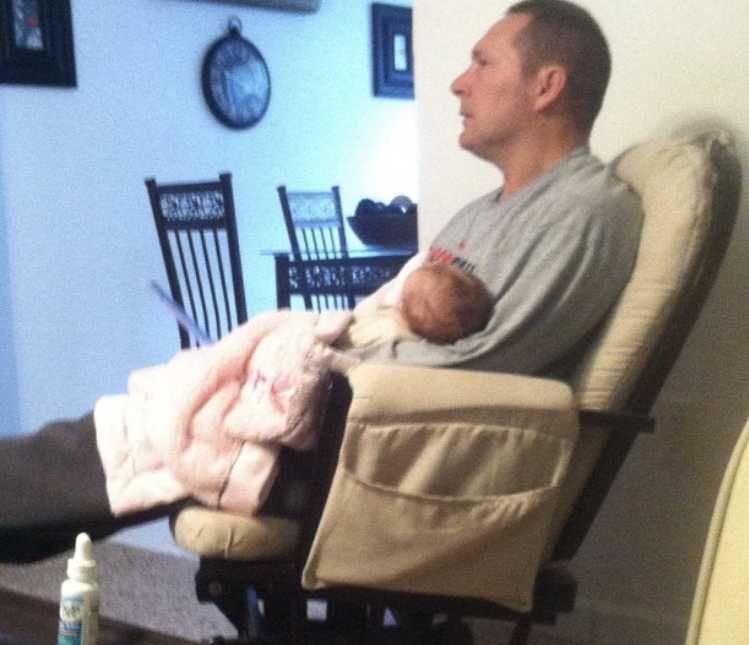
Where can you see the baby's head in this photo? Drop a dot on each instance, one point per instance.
(442, 303)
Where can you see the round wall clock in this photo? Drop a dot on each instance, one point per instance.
(236, 81)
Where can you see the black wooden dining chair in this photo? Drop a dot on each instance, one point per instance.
(197, 230)
(314, 223)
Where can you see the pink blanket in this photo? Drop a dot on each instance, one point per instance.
(209, 423)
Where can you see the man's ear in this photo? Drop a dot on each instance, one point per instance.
(549, 87)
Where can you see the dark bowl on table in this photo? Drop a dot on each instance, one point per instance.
(385, 229)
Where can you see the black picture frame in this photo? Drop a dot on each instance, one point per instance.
(392, 51)
(301, 6)
(36, 43)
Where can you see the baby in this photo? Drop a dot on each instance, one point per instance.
(436, 301)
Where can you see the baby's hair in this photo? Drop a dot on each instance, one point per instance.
(443, 303)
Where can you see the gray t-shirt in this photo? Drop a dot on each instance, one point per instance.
(555, 256)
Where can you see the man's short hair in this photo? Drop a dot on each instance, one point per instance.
(564, 33)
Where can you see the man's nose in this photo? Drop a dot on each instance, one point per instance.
(458, 86)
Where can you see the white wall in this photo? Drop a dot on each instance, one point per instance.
(77, 241)
(676, 62)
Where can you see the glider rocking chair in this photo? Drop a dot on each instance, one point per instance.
(442, 494)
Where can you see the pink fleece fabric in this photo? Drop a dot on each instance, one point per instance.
(209, 423)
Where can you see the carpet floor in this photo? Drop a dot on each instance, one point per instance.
(155, 591)
(147, 589)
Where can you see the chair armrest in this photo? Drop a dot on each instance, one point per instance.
(396, 392)
(451, 466)
(424, 393)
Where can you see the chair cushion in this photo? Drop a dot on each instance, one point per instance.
(218, 534)
(674, 178)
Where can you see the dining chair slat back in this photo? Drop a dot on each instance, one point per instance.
(314, 223)
(197, 230)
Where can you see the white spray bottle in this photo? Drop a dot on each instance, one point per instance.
(79, 598)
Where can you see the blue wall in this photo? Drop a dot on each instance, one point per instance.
(8, 379)
(77, 245)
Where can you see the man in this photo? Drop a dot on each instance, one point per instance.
(554, 246)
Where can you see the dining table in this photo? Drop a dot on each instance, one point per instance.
(354, 274)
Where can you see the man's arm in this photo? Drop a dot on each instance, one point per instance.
(556, 289)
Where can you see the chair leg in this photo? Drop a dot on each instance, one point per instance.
(297, 620)
(414, 620)
(234, 604)
(276, 614)
(347, 619)
(282, 619)
(415, 626)
(522, 632)
(453, 631)
(376, 615)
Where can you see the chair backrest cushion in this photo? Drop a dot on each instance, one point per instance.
(674, 178)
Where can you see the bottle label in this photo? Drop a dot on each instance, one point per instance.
(72, 609)
(78, 622)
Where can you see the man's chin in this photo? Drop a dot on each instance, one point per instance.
(464, 141)
(469, 145)
(473, 146)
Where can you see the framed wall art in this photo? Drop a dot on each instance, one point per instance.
(284, 5)
(36, 42)
(392, 51)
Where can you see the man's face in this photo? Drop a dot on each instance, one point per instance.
(494, 94)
